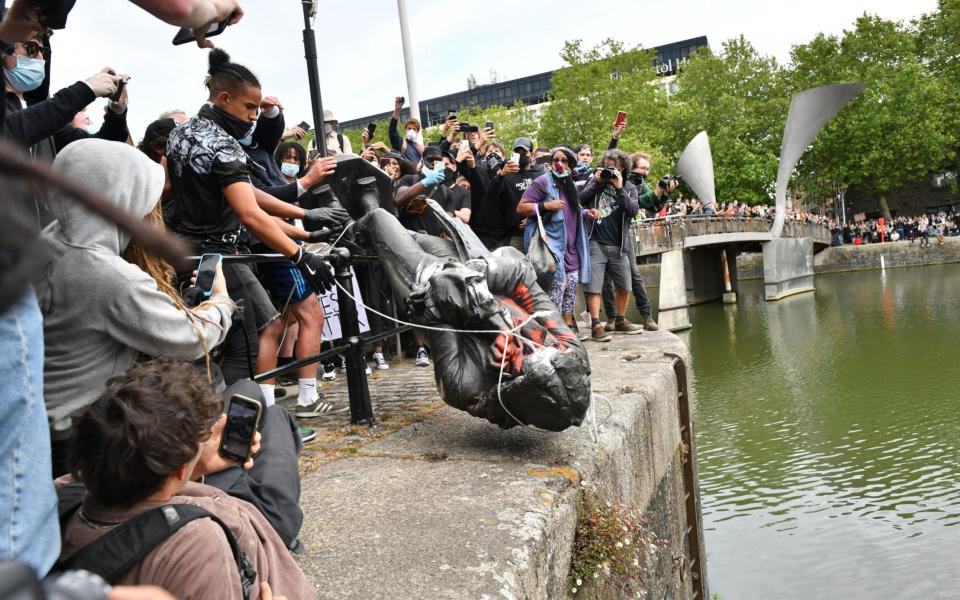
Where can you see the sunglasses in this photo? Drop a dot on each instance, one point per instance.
(33, 49)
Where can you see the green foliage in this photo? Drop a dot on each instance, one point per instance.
(897, 129)
(613, 545)
(594, 86)
(739, 98)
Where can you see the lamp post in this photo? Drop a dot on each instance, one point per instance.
(408, 61)
(310, 53)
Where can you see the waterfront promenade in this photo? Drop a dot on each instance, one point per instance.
(434, 503)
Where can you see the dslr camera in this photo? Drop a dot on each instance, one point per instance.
(606, 174)
(666, 180)
(469, 128)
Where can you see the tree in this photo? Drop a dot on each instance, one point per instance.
(739, 98)
(593, 87)
(897, 130)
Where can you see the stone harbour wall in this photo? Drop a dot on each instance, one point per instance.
(450, 506)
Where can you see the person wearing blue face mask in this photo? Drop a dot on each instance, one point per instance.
(44, 125)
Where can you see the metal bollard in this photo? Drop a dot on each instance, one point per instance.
(361, 411)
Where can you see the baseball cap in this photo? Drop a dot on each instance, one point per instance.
(523, 142)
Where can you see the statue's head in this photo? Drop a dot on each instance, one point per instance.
(553, 393)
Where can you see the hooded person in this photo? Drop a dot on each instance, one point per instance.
(104, 301)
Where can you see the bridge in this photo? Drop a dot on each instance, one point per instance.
(698, 258)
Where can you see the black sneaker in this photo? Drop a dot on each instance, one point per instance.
(329, 372)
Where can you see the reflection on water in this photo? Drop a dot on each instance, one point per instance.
(829, 438)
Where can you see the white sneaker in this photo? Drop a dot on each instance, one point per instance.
(343, 363)
(423, 359)
(380, 361)
(329, 372)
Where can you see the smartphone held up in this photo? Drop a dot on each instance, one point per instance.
(243, 419)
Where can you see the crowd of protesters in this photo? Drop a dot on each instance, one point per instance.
(913, 229)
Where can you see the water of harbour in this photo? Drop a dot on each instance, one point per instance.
(829, 438)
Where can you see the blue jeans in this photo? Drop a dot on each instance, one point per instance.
(29, 524)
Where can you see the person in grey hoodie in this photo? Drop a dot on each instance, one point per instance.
(99, 310)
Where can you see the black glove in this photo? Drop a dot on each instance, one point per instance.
(318, 272)
(323, 235)
(317, 218)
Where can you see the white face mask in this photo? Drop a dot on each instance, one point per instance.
(411, 135)
(327, 128)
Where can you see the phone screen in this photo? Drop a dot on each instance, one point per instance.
(206, 272)
(489, 124)
(242, 417)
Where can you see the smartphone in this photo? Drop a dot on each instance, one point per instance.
(122, 84)
(515, 157)
(312, 154)
(621, 119)
(489, 124)
(464, 145)
(185, 35)
(207, 272)
(304, 126)
(402, 99)
(451, 113)
(371, 127)
(243, 418)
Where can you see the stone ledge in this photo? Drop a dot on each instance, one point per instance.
(454, 507)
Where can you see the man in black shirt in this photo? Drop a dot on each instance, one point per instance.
(503, 226)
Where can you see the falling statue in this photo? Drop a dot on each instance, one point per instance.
(500, 349)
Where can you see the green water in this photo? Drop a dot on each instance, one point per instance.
(829, 438)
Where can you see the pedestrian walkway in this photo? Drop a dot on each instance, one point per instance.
(400, 396)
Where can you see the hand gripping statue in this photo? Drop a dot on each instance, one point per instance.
(500, 349)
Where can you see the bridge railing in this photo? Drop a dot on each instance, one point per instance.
(662, 234)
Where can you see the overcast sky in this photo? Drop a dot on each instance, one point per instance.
(361, 62)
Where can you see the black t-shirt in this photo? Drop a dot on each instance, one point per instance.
(202, 159)
(504, 195)
(457, 197)
(608, 229)
(411, 216)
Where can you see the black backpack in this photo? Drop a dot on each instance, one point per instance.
(112, 555)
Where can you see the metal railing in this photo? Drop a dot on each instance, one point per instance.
(662, 234)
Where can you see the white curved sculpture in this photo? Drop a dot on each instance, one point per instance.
(695, 166)
(810, 111)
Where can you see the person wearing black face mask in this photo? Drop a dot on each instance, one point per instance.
(500, 225)
(213, 199)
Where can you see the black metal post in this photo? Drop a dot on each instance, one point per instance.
(310, 53)
(361, 411)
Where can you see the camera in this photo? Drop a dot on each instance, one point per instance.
(666, 180)
(468, 128)
(606, 174)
